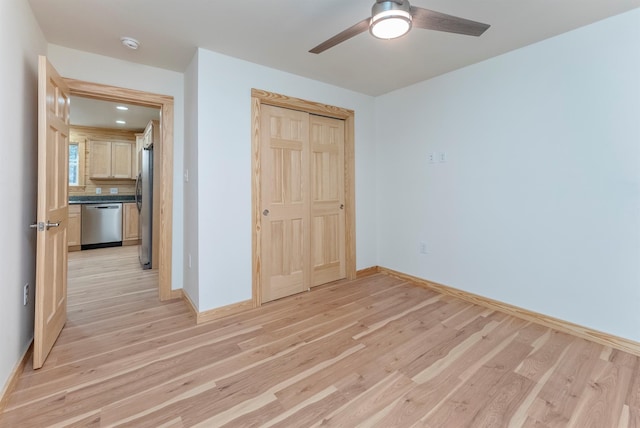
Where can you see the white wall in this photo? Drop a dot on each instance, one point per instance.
(224, 173)
(191, 186)
(21, 41)
(538, 203)
(109, 71)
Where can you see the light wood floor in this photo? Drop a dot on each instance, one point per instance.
(373, 352)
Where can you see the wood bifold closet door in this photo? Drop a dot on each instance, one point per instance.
(302, 188)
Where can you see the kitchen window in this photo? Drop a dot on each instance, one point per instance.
(76, 164)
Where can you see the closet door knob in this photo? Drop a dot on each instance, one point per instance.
(265, 213)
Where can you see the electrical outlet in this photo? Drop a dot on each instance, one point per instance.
(113, 190)
(422, 248)
(25, 294)
(431, 157)
(98, 190)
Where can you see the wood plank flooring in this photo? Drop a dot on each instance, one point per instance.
(375, 352)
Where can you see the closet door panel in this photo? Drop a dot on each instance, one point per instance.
(285, 195)
(327, 204)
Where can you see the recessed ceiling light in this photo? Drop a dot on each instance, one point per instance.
(123, 108)
(130, 42)
(121, 122)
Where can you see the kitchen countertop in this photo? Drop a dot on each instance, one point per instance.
(73, 200)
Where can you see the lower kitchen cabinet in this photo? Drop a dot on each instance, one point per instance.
(74, 226)
(130, 233)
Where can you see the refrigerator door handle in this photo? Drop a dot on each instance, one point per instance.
(139, 192)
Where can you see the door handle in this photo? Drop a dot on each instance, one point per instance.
(341, 206)
(41, 225)
(265, 213)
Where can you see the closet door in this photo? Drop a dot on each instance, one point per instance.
(327, 203)
(285, 202)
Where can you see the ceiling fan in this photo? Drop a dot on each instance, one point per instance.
(394, 18)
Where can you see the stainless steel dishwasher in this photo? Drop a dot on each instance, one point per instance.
(101, 225)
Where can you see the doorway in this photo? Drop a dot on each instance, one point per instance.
(299, 272)
(163, 218)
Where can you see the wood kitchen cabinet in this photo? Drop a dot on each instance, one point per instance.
(130, 233)
(74, 226)
(111, 160)
(136, 155)
(151, 133)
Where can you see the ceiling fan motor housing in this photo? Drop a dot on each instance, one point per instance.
(383, 13)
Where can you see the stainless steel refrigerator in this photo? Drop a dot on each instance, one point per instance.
(144, 201)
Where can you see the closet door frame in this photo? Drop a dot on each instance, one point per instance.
(260, 97)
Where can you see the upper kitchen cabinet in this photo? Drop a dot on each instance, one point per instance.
(111, 130)
(136, 155)
(111, 160)
(151, 133)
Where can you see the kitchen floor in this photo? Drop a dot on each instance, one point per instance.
(111, 277)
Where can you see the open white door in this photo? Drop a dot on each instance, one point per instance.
(52, 212)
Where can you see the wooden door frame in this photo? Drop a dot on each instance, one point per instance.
(260, 97)
(165, 215)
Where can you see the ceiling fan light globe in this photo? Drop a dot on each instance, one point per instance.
(395, 24)
(390, 19)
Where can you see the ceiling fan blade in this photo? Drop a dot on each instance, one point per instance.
(354, 30)
(431, 20)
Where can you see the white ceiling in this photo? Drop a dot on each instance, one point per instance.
(279, 33)
(103, 114)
